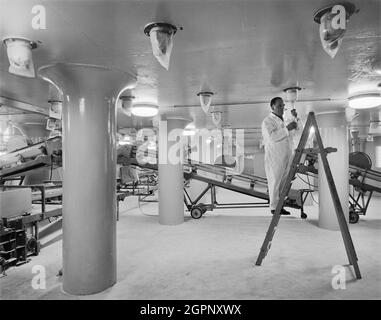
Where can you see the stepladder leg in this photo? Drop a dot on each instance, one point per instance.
(344, 229)
(267, 243)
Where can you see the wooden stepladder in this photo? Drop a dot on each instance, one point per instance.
(349, 247)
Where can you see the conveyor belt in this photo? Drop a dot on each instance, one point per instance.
(50, 192)
(227, 178)
(32, 158)
(24, 168)
(370, 179)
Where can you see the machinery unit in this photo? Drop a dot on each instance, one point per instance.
(13, 245)
(364, 182)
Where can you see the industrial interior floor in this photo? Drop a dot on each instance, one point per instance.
(214, 258)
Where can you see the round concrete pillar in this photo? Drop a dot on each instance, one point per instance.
(377, 151)
(171, 177)
(89, 161)
(334, 133)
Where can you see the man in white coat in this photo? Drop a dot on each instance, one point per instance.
(278, 150)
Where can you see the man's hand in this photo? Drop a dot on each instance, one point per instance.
(291, 126)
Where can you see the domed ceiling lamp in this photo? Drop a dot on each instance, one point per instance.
(161, 36)
(143, 109)
(365, 100)
(333, 22)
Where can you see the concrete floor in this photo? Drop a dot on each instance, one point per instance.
(213, 258)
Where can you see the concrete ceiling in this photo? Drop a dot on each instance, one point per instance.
(244, 51)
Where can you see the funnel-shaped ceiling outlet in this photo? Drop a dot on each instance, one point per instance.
(333, 23)
(375, 128)
(376, 64)
(55, 110)
(330, 38)
(161, 36)
(375, 124)
(292, 95)
(53, 124)
(354, 134)
(189, 130)
(350, 114)
(19, 51)
(127, 104)
(205, 100)
(216, 117)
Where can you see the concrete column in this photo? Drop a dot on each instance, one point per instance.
(376, 162)
(89, 161)
(171, 177)
(334, 133)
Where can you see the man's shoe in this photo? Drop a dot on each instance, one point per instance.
(285, 212)
(282, 212)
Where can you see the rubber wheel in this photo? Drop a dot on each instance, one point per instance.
(353, 217)
(303, 216)
(31, 244)
(196, 213)
(202, 207)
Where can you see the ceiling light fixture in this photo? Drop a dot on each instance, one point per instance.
(19, 51)
(365, 101)
(205, 100)
(161, 36)
(145, 109)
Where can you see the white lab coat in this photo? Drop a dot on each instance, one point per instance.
(278, 155)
